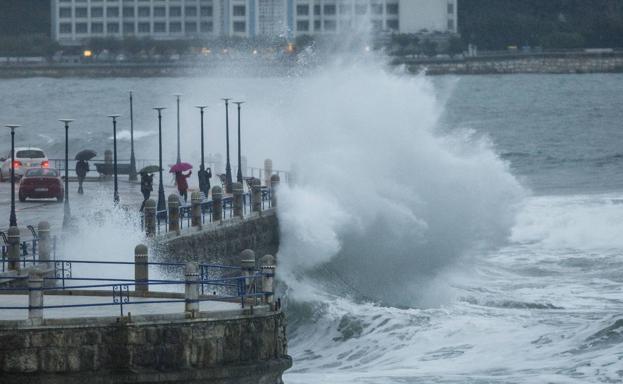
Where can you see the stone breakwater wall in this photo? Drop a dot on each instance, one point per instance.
(223, 241)
(243, 349)
(549, 64)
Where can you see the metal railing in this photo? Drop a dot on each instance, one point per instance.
(29, 250)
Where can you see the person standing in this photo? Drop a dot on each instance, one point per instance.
(182, 184)
(204, 180)
(147, 185)
(82, 167)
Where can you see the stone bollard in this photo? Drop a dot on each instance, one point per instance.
(174, 214)
(217, 203)
(108, 163)
(267, 265)
(35, 296)
(274, 186)
(191, 275)
(141, 269)
(247, 265)
(195, 200)
(256, 195)
(45, 243)
(13, 253)
(238, 196)
(268, 171)
(149, 217)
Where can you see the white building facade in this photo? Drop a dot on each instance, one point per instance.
(76, 20)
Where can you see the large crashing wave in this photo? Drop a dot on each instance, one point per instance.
(382, 203)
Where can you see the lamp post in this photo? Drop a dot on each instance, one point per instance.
(239, 176)
(228, 164)
(13, 217)
(202, 185)
(177, 96)
(67, 210)
(114, 168)
(161, 202)
(133, 175)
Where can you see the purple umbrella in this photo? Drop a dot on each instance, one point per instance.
(180, 167)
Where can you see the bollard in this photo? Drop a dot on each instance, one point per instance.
(195, 200)
(247, 264)
(238, 191)
(108, 163)
(268, 171)
(45, 244)
(149, 217)
(35, 296)
(13, 254)
(217, 203)
(274, 186)
(191, 275)
(141, 269)
(174, 214)
(267, 265)
(256, 195)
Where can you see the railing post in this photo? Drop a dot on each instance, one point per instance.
(268, 278)
(256, 195)
(238, 196)
(174, 214)
(14, 248)
(141, 269)
(247, 264)
(45, 246)
(195, 199)
(217, 203)
(268, 171)
(35, 296)
(191, 275)
(274, 186)
(150, 217)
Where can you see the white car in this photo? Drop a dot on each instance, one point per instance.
(25, 158)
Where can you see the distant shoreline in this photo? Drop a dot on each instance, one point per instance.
(541, 63)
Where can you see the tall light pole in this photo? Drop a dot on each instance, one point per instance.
(133, 175)
(67, 210)
(201, 175)
(177, 96)
(114, 140)
(13, 217)
(228, 164)
(239, 176)
(161, 202)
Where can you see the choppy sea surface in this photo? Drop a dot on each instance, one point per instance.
(440, 230)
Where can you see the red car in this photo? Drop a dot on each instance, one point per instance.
(41, 183)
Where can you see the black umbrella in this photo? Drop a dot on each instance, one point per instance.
(86, 155)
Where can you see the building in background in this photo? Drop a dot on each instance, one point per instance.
(76, 20)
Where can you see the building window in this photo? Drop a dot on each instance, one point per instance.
(329, 9)
(175, 27)
(65, 27)
(302, 25)
(190, 11)
(160, 11)
(302, 10)
(377, 9)
(317, 10)
(190, 27)
(112, 27)
(377, 25)
(81, 12)
(240, 26)
(392, 24)
(112, 12)
(160, 27)
(450, 25)
(345, 9)
(392, 9)
(361, 9)
(206, 11)
(128, 11)
(144, 11)
(97, 12)
(64, 12)
(451, 8)
(240, 10)
(317, 25)
(128, 28)
(144, 28)
(175, 11)
(97, 27)
(206, 26)
(330, 25)
(81, 28)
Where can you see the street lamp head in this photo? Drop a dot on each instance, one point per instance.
(178, 95)
(12, 126)
(66, 121)
(201, 107)
(239, 103)
(226, 99)
(159, 108)
(114, 117)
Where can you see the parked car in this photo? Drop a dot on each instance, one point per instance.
(41, 183)
(25, 158)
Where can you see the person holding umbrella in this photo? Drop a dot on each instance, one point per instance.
(82, 166)
(180, 178)
(147, 182)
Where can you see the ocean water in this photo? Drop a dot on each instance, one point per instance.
(438, 230)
